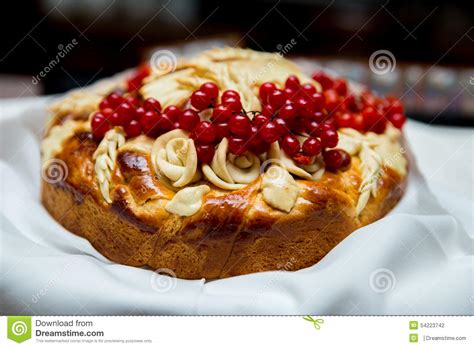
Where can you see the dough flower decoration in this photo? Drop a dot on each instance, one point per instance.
(105, 156)
(229, 171)
(174, 158)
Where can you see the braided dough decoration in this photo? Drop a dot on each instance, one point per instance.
(375, 151)
(105, 156)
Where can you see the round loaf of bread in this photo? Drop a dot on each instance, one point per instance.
(115, 193)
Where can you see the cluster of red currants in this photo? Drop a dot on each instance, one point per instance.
(286, 114)
(133, 115)
(365, 112)
(136, 80)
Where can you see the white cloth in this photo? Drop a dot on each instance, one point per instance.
(417, 260)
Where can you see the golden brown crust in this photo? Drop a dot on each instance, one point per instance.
(234, 232)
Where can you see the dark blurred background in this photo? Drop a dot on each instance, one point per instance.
(427, 46)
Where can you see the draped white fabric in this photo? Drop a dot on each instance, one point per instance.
(417, 260)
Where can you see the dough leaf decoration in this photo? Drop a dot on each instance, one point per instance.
(105, 156)
(187, 201)
(374, 151)
(279, 188)
(370, 163)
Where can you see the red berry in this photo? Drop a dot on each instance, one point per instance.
(134, 83)
(345, 161)
(395, 108)
(332, 159)
(265, 90)
(188, 119)
(204, 132)
(239, 125)
(287, 112)
(305, 107)
(117, 119)
(350, 103)
(148, 120)
(270, 132)
(230, 93)
(398, 120)
(337, 159)
(282, 126)
(139, 112)
(200, 100)
(299, 124)
(340, 86)
(222, 130)
(173, 112)
(276, 99)
(221, 113)
(107, 112)
(205, 153)
(344, 120)
(99, 125)
(332, 100)
(312, 147)
(259, 120)
(151, 104)
(292, 82)
(301, 158)
(133, 129)
(313, 128)
(319, 101)
(104, 104)
(291, 94)
(358, 123)
(308, 89)
(290, 145)
(165, 123)
(268, 110)
(176, 125)
(114, 99)
(324, 80)
(370, 114)
(329, 138)
(318, 116)
(262, 147)
(327, 126)
(210, 89)
(237, 146)
(126, 112)
(233, 104)
(254, 140)
(133, 101)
